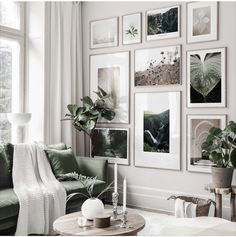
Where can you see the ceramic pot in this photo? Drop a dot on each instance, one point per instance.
(92, 207)
(222, 177)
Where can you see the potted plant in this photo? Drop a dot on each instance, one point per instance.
(221, 146)
(85, 118)
(93, 206)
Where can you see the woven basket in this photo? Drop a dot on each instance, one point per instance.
(203, 206)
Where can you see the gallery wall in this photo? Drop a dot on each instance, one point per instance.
(149, 187)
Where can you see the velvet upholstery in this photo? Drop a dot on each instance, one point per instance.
(4, 170)
(9, 204)
(62, 161)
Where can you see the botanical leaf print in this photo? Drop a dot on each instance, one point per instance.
(132, 31)
(205, 73)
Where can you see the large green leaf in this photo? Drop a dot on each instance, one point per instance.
(87, 100)
(206, 146)
(232, 141)
(102, 91)
(232, 127)
(233, 158)
(205, 73)
(72, 109)
(216, 157)
(215, 131)
(108, 114)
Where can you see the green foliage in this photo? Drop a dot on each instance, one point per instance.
(148, 148)
(88, 184)
(85, 118)
(221, 145)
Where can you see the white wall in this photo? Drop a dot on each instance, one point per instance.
(150, 187)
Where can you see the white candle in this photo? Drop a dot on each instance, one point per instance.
(124, 194)
(115, 178)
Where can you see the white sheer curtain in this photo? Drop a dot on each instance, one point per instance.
(64, 83)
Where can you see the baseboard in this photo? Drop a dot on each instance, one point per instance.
(156, 200)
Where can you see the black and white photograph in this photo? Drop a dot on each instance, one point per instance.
(198, 130)
(132, 28)
(202, 21)
(158, 66)
(111, 144)
(206, 78)
(157, 130)
(163, 23)
(104, 33)
(111, 73)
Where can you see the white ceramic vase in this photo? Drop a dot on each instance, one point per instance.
(92, 207)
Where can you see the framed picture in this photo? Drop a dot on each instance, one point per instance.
(104, 33)
(111, 144)
(198, 129)
(158, 66)
(202, 18)
(132, 28)
(157, 130)
(163, 23)
(111, 73)
(206, 78)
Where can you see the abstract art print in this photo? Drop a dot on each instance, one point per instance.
(206, 78)
(111, 144)
(202, 21)
(111, 73)
(198, 129)
(157, 130)
(104, 33)
(131, 28)
(163, 23)
(158, 66)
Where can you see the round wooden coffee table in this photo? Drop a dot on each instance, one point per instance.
(68, 225)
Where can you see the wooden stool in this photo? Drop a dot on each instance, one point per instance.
(218, 199)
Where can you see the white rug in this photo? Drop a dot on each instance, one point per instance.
(167, 225)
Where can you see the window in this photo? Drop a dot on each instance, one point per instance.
(11, 63)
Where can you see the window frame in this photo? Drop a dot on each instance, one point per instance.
(19, 36)
(21, 31)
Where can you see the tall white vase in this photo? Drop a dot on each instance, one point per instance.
(92, 207)
(18, 121)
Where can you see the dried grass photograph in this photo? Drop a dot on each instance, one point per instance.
(158, 66)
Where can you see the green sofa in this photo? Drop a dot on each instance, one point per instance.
(9, 205)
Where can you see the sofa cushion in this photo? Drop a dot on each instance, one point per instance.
(58, 146)
(62, 161)
(9, 205)
(5, 170)
(9, 148)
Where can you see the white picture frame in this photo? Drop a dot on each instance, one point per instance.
(197, 131)
(120, 141)
(208, 91)
(156, 30)
(158, 66)
(104, 33)
(202, 21)
(132, 28)
(153, 147)
(111, 73)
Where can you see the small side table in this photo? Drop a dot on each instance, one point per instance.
(218, 198)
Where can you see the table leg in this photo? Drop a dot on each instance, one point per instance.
(218, 210)
(232, 207)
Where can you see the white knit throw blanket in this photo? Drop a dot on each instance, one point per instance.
(41, 197)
